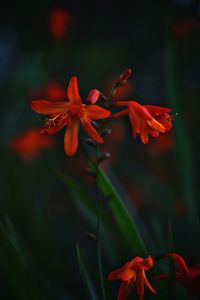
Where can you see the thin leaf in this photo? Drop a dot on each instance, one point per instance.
(86, 280)
(88, 208)
(183, 147)
(16, 269)
(122, 216)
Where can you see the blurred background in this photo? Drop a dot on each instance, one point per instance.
(44, 43)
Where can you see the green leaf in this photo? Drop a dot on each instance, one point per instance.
(86, 280)
(88, 207)
(16, 269)
(120, 212)
(183, 147)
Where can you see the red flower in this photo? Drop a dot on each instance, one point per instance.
(146, 119)
(184, 27)
(70, 113)
(133, 272)
(54, 91)
(59, 22)
(187, 277)
(162, 145)
(29, 143)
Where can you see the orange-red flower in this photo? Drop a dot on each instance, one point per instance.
(29, 143)
(70, 113)
(146, 119)
(54, 91)
(187, 277)
(59, 22)
(133, 272)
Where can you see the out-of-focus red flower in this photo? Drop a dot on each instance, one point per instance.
(54, 91)
(30, 143)
(70, 113)
(133, 272)
(162, 145)
(59, 21)
(146, 119)
(187, 277)
(183, 28)
(180, 208)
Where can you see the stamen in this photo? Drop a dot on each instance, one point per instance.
(52, 121)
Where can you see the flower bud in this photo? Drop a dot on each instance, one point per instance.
(125, 75)
(93, 96)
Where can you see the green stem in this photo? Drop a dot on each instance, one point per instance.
(99, 229)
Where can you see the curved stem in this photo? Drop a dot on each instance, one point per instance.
(99, 229)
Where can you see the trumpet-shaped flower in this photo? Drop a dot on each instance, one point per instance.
(146, 119)
(70, 113)
(133, 272)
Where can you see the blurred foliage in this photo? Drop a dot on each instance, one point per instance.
(42, 217)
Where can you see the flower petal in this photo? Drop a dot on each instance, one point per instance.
(121, 113)
(157, 110)
(72, 91)
(154, 124)
(95, 112)
(116, 274)
(53, 128)
(144, 135)
(166, 121)
(147, 263)
(136, 122)
(140, 285)
(91, 131)
(124, 290)
(122, 103)
(71, 137)
(45, 107)
(179, 262)
(146, 282)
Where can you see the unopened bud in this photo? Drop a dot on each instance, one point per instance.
(125, 75)
(123, 79)
(93, 96)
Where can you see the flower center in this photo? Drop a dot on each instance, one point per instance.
(75, 110)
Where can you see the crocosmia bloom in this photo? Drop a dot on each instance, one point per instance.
(30, 143)
(133, 272)
(146, 119)
(185, 276)
(59, 22)
(70, 113)
(54, 91)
